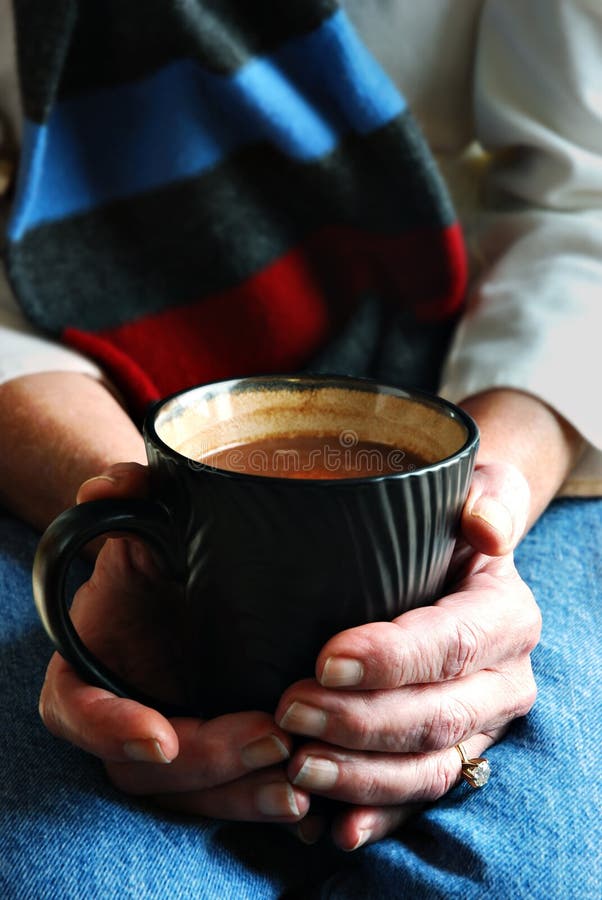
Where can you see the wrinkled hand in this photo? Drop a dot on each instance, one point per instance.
(229, 767)
(458, 670)
(392, 699)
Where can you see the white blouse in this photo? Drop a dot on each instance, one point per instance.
(509, 96)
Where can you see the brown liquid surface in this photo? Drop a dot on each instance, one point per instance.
(306, 456)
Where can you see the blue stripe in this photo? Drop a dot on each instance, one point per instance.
(183, 120)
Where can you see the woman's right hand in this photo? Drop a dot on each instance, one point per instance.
(230, 767)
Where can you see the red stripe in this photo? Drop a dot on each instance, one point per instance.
(128, 375)
(277, 319)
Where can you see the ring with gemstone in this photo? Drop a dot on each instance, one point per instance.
(475, 771)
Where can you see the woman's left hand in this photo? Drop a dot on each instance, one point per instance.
(392, 699)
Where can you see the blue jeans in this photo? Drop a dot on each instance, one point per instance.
(533, 832)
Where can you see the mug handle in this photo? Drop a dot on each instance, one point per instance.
(61, 542)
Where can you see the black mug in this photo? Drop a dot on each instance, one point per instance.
(288, 509)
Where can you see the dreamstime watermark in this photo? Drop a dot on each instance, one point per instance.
(343, 454)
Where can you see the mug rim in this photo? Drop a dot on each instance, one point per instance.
(469, 446)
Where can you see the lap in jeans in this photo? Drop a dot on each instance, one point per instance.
(533, 832)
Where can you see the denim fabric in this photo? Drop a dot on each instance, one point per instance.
(533, 832)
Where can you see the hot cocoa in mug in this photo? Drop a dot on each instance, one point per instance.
(288, 508)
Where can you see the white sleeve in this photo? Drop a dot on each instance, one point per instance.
(23, 352)
(534, 318)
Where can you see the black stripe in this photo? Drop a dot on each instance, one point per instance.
(43, 34)
(115, 41)
(204, 235)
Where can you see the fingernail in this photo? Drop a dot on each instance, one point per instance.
(364, 836)
(311, 829)
(277, 800)
(317, 774)
(148, 750)
(108, 478)
(339, 671)
(304, 719)
(83, 485)
(495, 514)
(264, 752)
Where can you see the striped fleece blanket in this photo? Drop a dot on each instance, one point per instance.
(208, 188)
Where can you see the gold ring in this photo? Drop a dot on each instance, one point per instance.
(475, 771)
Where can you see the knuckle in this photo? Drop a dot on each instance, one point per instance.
(448, 725)
(357, 725)
(369, 790)
(521, 690)
(381, 646)
(362, 733)
(463, 651)
(397, 671)
(440, 778)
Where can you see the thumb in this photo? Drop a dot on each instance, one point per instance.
(128, 479)
(120, 480)
(495, 514)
